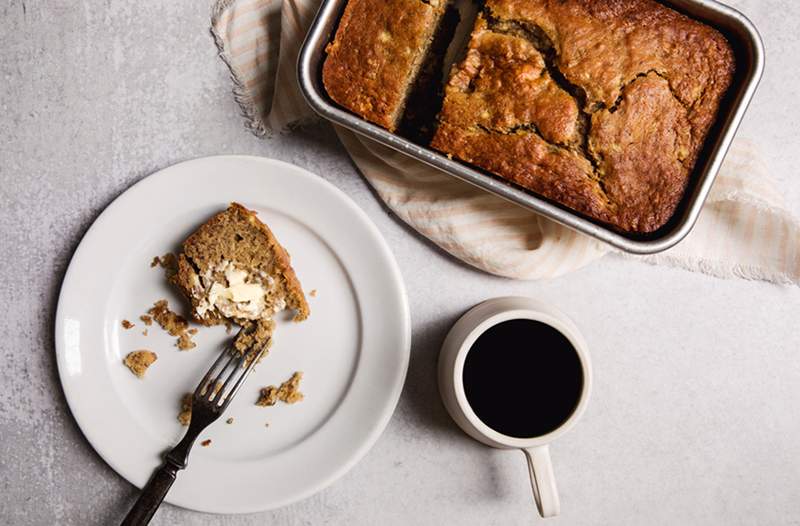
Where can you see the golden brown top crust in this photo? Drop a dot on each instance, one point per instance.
(603, 45)
(509, 90)
(376, 55)
(529, 161)
(625, 90)
(642, 148)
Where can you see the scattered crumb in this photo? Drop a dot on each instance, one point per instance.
(268, 396)
(254, 335)
(147, 320)
(127, 325)
(171, 322)
(185, 416)
(228, 327)
(206, 442)
(290, 389)
(313, 293)
(288, 392)
(168, 262)
(139, 361)
(174, 324)
(144, 332)
(229, 421)
(185, 342)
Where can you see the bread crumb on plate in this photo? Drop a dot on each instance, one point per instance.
(233, 269)
(173, 323)
(288, 392)
(168, 262)
(185, 416)
(139, 361)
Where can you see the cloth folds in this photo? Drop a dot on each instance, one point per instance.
(744, 229)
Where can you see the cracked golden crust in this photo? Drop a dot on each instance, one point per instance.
(646, 82)
(603, 44)
(643, 148)
(526, 159)
(376, 55)
(502, 84)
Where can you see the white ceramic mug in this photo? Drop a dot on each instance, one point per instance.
(451, 386)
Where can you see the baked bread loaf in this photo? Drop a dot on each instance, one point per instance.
(377, 54)
(600, 105)
(233, 269)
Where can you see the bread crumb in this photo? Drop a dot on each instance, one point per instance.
(139, 361)
(229, 421)
(168, 262)
(313, 293)
(288, 392)
(144, 332)
(185, 342)
(147, 320)
(255, 335)
(174, 324)
(206, 442)
(185, 416)
(127, 325)
(268, 396)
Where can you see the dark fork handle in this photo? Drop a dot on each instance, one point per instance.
(152, 495)
(208, 404)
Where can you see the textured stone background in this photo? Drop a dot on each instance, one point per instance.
(695, 416)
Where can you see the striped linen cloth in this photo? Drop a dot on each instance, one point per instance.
(744, 229)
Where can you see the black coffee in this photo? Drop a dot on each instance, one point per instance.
(523, 378)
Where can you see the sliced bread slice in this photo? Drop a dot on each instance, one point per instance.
(377, 54)
(233, 268)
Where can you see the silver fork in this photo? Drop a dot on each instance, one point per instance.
(208, 403)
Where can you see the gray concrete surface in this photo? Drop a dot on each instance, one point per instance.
(695, 416)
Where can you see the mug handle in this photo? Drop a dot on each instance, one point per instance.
(543, 482)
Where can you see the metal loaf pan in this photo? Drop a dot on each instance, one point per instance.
(749, 51)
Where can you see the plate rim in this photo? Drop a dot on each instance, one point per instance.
(396, 279)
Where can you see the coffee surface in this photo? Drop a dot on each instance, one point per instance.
(523, 378)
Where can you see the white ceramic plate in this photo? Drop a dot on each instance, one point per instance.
(354, 348)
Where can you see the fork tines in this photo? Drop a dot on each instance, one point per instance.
(235, 367)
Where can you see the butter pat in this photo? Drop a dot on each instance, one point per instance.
(239, 295)
(245, 292)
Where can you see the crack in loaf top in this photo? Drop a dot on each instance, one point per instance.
(602, 106)
(602, 45)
